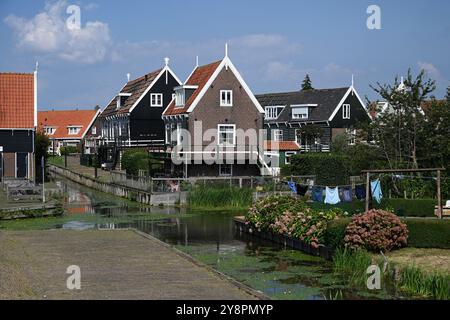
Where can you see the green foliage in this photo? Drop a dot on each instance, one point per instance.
(56, 160)
(431, 285)
(41, 145)
(352, 264)
(330, 169)
(335, 232)
(134, 160)
(306, 84)
(68, 150)
(428, 233)
(220, 196)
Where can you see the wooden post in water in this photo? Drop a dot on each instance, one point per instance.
(367, 191)
(439, 196)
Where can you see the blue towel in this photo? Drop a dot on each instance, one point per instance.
(317, 194)
(292, 186)
(360, 192)
(376, 190)
(347, 195)
(332, 195)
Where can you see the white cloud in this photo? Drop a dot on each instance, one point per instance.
(430, 69)
(47, 33)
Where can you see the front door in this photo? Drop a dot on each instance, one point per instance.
(22, 165)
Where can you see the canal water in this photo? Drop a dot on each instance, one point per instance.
(211, 238)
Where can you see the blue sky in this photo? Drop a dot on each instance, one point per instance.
(273, 43)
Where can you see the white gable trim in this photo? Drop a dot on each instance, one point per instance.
(225, 62)
(353, 91)
(90, 124)
(163, 71)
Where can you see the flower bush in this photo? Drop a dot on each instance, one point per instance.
(376, 230)
(289, 216)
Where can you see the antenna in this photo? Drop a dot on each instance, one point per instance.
(166, 61)
(128, 76)
(352, 80)
(226, 49)
(37, 66)
(196, 61)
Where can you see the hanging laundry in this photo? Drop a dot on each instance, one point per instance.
(292, 186)
(360, 192)
(301, 189)
(317, 194)
(332, 195)
(347, 195)
(377, 194)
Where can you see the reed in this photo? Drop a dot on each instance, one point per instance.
(220, 197)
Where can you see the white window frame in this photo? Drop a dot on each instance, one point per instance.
(219, 134)
(297, 135)
(272, 113)
(226, 174)
(179, 98)
(351, 133)
(228, 101)
(77, 129)
(346, 111)
(168, 133)
(156, 100)
(277, 135)
(286, 157)
(94, 130)
(49, 130)
(303, 115)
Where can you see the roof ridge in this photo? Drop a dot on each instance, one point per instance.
(17, 73)
(143, 76)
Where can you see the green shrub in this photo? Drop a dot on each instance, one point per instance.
(432, 285)
(328, 168)
(352, 265)
(68, 150)
(428, 233)
(410, 207)
(335, 232)
(134, 160)
(220, 196)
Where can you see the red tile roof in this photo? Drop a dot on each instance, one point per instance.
(199, 78)
(62, 119)
(16, 100)
(281, 145)
(136, 87)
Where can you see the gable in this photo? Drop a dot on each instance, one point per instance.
(358, 112)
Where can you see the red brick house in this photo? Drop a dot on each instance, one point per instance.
(18, 120)
(67, 127)
(206, 120)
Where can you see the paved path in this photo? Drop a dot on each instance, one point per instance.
(114, 265)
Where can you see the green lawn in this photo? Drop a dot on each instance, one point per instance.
(56, 160)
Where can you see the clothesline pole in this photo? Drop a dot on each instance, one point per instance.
(367, 190)
(439, 196)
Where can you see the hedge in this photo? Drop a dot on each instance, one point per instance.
(328, 168)
(423, 233)
(428, 233)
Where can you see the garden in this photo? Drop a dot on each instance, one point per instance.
(360, 240)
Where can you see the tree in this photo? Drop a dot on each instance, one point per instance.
(398, 133)
(447, 95)
(42, 143)
(306, 84)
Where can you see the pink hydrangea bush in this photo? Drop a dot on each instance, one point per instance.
(376, 230)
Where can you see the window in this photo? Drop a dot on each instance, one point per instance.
(225, 170)
(346, 111)
(49, 130)
(94, 130)
(277, 135)
(179, 138)
(74, 130)
(168, 134)
(288, 155)
(179, 98)
(156, 100)
(351, 133)
(298, 136)
(300, 113)
(227, 134)
(226, 98)
(272, 112)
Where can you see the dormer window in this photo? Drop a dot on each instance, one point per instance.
(73, 129)
(49, 130)
(272, 112)
(300, 113)
(182, 94)
(226, 98)
(121, 98)
(179, 98)
(156, 100)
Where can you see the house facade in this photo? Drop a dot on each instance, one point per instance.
(67, 128)
(207, 120)
(18, 120)
(133, 117)
(313, 118)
